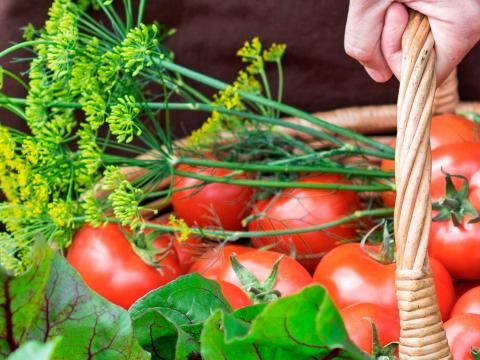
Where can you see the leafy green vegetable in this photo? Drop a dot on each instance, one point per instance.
(89, 324)
(36, 350)
(51, 302)
(303, 326)
(168, 321)
(189, 317)
(20, 302)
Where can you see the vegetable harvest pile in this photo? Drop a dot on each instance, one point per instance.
(265, 234)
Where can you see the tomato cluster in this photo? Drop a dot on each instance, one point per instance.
(362, 287)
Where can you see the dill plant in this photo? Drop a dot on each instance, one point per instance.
(86, 79)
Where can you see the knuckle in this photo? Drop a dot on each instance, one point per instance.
(358, 52)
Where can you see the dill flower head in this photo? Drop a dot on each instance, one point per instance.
(122, 119)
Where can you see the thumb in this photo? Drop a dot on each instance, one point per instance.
(396, 20)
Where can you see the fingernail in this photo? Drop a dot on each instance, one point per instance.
(378, 76)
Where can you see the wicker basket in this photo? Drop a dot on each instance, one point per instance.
(422, 334)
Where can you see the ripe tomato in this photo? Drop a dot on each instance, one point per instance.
(211, 205)
(211, 263)
(451, 129)
(236, 297)
(187, 251)
(468, 303)
(457, 159)
(292, 277)
(357, 319)
(351, 276)
(460, 130)
(107, 263)
(463, 334)
(299, 208)
(457, 248)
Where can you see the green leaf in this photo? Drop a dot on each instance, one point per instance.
(303, 326)
(168, 321)
(90, 326)
(36, 350)
(475, 352)
(20, 302)
(250, 312)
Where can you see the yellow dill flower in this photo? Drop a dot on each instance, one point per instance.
(91, 209)
(275, 52)
(90, 153)
(122, 119)
(250, 50)
(229, 98)
(256, 66)
(112, 177)
(138, 46)
(12, 256)
(62, 213)
(248, 83)
(126, 204)
(184, 232)
(7, 144)
(29, 32)
(207, 134)
(95, 107)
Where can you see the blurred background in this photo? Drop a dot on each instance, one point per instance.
(318, 74)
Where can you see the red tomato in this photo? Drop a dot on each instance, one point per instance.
(211, 205)
(292, 277)
(463, 334)
(187, 251)
(445, 129)
(236, 297)
(299, 208)
(457, 248)
(451, 129)
(468, 303)
(107, 263)
(456, 159)
(351, 276)
(357, 319)
(211, 263)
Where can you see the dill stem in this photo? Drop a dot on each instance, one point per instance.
(235, 235)
(284, 168)
(281, 184)
(283, 108)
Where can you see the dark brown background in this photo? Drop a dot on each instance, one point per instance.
(319, 76)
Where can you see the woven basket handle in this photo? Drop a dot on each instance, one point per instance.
(422, 335)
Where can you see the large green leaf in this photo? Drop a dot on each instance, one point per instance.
(168, 321)
(20, 301)
(36, 350)
(303, 326)
(89, 325)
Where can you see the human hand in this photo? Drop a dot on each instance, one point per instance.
(374, 31)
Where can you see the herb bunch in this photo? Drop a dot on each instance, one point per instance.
(87, 95)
